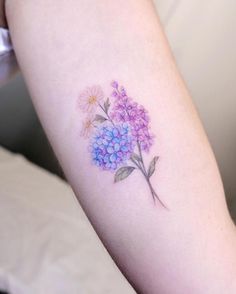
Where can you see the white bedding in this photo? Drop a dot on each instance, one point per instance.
(47, 245)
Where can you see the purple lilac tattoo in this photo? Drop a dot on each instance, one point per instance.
(119, 132)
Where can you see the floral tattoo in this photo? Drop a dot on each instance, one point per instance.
(119, 132)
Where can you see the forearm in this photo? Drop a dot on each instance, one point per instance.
(173, 250)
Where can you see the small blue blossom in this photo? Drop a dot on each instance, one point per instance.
(112, 146)
(120, 134)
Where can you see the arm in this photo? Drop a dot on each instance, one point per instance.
(178, 239)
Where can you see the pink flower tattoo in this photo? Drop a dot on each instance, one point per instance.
(87, 127)
(119, 133)
(89, 98)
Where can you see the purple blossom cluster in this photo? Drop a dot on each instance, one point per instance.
(112, 146)
(125, 110)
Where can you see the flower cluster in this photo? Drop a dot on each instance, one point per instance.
(111, 146)
(119, 133)
(127, 111)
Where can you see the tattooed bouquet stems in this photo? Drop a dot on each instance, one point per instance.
(119, 133)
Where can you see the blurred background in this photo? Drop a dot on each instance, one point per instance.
(203, 39)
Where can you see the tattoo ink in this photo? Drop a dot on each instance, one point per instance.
(119, 132)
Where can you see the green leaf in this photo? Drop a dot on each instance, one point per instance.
(123, 173)
(107, 105)
(136, 157)
(152, 166)
(99, 118)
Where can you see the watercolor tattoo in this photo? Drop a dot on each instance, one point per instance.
(119, 133)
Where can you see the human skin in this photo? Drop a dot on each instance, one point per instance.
(187, 248)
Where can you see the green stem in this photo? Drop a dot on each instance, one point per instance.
(154, 194)
(108, 116)
(138, 166)
(141, 156)
(142, 168)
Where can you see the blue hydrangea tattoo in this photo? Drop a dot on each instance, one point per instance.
(119, 133)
